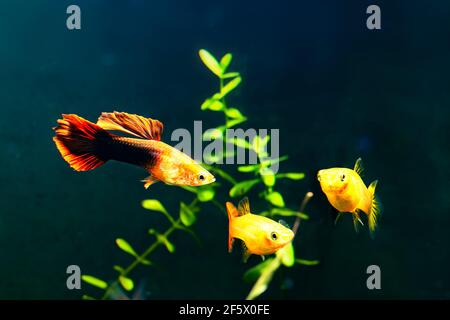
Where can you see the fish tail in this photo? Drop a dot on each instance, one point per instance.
(81, 142)
(232, 213)
(375, 208)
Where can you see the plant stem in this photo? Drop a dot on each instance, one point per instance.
(223, 102)
(153, 247)
(306, 199)
(218, 205)
(142, 257)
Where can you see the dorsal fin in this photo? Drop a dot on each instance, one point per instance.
(284, 223)
(244, 207)
(359, 168)
(133, 124)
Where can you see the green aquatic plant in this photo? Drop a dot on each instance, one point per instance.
(261, 176)
(185, 219)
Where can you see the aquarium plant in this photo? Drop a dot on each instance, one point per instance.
(259, 175)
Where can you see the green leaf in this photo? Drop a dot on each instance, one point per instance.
(169, 245)
(212, 158)
(234, 113)
(268, 177)
(230, 75)
(206, 194)
(126, 283)
(211, 62)
(213, 105)
(291, 175)
(230, 86)
(287, 255)
(289, 213)
(276, 199)
(216, 105)
(213, 133)
(119, 269)
(145, 262)
(206, 104)
(269, 162)
(225, 61)
(263, 281)
(257, 144)
(249, 168)
(155, 205)
(307, 262)
(242, 188)
(242, 143)
(233, 122)
(221, 173)
(229, 153)
(252, 274)
(265, 140)
(93, 281)
(187, 217)
(125, 246)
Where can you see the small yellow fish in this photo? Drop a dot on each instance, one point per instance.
(347, 192)
(259, 235)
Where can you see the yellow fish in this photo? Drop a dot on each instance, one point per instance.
(259, 235)
(347, 192)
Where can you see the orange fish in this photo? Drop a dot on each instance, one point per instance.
(86, 146)
(259, 235)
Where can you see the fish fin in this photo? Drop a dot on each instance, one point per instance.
(232, 213)
(339, 215)
(375, 209)
(245, 253)
(356, 221)
(149, 181)
(244, 207)
(116, 293)
(133, 124)
(359, 167)
(284, 223)
(79, 142)
(140, 292)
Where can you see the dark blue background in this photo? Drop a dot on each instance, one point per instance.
(336, 90)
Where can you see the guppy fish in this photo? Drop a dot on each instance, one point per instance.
(347, 192)
(259, 235)
(86, 146)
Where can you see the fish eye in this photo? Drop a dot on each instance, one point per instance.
(201, 177)
(274, 236)
(342, 177)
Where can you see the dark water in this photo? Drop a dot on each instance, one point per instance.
(336, 90)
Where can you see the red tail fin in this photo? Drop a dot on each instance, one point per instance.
(80, 142)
